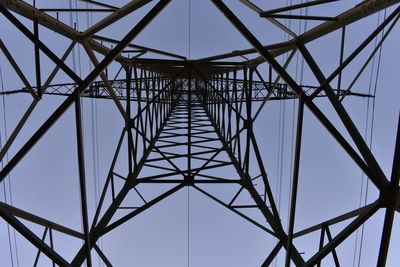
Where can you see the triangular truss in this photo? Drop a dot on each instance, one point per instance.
(192, 124)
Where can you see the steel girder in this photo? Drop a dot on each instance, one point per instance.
(195, 104)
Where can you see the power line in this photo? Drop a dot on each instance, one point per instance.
(188, 226)
(189, 27)
(188, 188)
(370, 125)
(8, 176)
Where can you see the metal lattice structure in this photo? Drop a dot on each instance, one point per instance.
(186, 119)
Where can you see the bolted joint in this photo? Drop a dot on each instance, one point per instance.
(390, 197)
(130, 123)
(188, 180)
(246, 183)
(247, 124)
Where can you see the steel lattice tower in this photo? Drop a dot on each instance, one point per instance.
(186, 120)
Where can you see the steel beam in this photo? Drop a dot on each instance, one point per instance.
(31, 237)
(247, 183)
(235, 211)
(100, 4)
(268, 261)
(295, 180)
(377, 177)
(259, 11)
(82, 177)
(325, 84)
(32, 106)
(371, 56)
(104, 78)
(137, 211)
(117, 15)
(40, 44)
(102, 256)
(328, 248)
(289, 80)
(334, 254)
(282, 16)
(332, 221)
(389, 214)
(363, 10)
(38, 253)
(297, 6)
(117, 200)
(39, 220)
(83, 85)
(15, 66)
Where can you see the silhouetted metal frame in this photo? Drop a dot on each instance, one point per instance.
(220, 107)
(373, 170)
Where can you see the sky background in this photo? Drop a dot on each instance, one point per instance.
(46, 181)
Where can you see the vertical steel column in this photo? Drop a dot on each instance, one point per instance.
(51, 243)
(128, 123)
(321, 242)
(394, 193)
(37, 60)
(296, 168)
(247, 91)
(155, 105)
(219, 89)
(189, 178)
(237, 139)
(223, 93)
(339, 82)
(82, 179)
(230, 98)
(146, 117)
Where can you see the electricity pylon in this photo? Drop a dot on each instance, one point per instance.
(186, 120)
